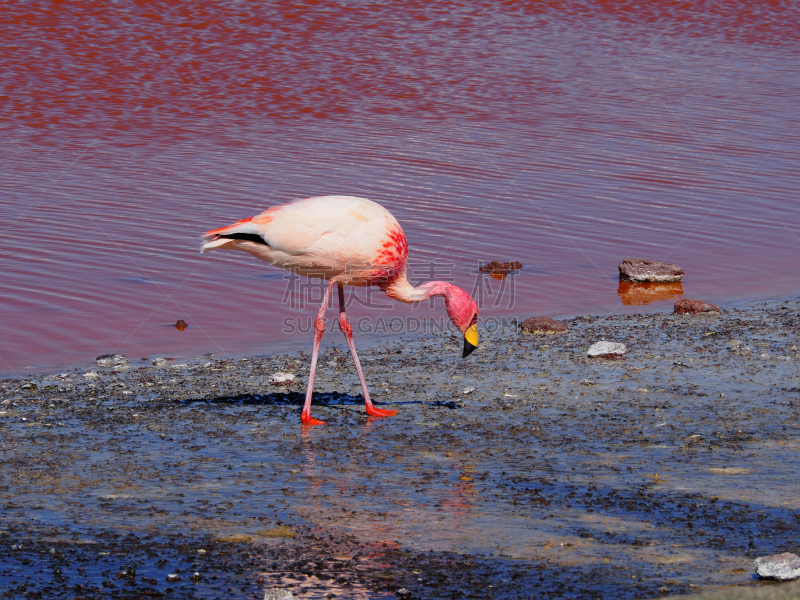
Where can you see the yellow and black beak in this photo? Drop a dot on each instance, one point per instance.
(470, 340)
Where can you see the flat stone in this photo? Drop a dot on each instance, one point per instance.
(781, 567)
(685, 306)
(607, 350)
(542, 325)
(160, 362)
(641, 269)
(111, 360)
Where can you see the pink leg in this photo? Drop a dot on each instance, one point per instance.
(319, 329)
(348, 333)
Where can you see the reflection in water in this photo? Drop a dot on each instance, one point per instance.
(354, 497)
(633, 293)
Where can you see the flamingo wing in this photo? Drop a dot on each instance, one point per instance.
(330, 236)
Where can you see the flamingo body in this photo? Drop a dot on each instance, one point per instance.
(353, 241)
(348, 241)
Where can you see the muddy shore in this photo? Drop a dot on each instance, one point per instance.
(527, 470)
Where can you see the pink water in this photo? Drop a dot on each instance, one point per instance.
(565, 135)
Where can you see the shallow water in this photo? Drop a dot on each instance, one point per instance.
(564, 136)
(557, 475)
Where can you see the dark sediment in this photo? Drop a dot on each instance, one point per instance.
(528, 469)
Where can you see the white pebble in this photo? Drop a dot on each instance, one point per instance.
(281, 378)
(601, 348)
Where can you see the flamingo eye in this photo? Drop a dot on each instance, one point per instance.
(474, 320)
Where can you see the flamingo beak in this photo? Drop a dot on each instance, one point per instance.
(470, 340)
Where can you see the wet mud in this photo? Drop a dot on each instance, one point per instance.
(528, 470)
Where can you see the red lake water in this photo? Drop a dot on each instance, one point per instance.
(564, 135)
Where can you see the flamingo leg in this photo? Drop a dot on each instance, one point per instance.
(344, 324)
(319, 329)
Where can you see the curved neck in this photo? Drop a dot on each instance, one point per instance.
(401, 290)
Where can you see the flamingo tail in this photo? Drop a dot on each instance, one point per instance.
(245, 230)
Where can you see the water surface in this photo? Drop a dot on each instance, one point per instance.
(562, 135)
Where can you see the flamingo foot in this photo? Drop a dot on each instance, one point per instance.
(380, 412)
(309, 421)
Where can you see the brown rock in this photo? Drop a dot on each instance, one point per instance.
(693, 307)
(181, 325)
(542, 325)
(497, 268)
(640, 269)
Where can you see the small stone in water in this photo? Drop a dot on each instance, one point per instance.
(111, 360)
(495, 267)
(180, 325)
(685, 306)
(468, 390)
(91, 374)
(173, 577)
(641, 269)
(160, 362)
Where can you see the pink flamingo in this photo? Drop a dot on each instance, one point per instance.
(349, 241)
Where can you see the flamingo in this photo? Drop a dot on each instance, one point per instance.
(348, 241)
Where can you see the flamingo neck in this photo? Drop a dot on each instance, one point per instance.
(400, 289)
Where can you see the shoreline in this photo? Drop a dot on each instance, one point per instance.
(303, 341)
(531, 467)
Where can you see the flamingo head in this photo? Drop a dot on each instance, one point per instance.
(463, 312)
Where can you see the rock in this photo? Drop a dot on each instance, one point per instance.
(693, 307)
(542, 325)
(640, 269)
(173, 577)
(180, 325)
(612, 350)
(497, 268)
(160, 362)
(468, 390)
(277, 594)
(781, 567)
(282, 379)
(111, 360)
